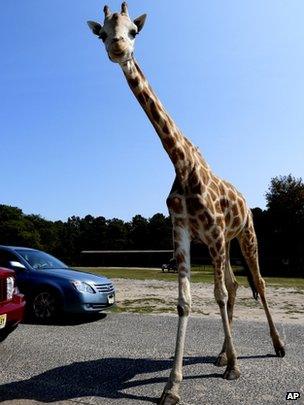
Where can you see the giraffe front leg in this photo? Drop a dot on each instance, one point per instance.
(170, 394)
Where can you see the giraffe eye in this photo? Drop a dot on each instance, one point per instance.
(133, 33)
(103, 36)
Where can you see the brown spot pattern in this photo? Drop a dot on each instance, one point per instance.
(224, 203)
(166, 129)
(220, 221)
(180, 154)
(235, 223)
(174, 156)
(235, 211)
(215, 233)
(231, 195)
(228, 218)
(212, 251)
(242, 208)
(154, 111)
(175, 204)
(213, 195)
(180, 258)
(206, 219)
(194, 223)
(217, 206)
(197, 189)
(141, 98)
(133, 82)
(169, 142)
(194, 204)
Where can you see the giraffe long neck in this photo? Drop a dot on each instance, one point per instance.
(180, 150)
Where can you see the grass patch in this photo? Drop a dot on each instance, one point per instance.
(144, 305)
(199, 275)
(247, 302)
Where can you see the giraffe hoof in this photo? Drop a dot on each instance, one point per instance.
(221, 361)
(280, 351)
(168, 398)
(231, 373)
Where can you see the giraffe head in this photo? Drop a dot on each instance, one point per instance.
(118, 33)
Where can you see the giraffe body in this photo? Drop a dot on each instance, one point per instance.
(202, 206)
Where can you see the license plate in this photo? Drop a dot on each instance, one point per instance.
(111, 299)
(2, 321)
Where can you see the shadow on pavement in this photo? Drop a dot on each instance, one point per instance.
(68, 320)
(258, 356)
(105, 378)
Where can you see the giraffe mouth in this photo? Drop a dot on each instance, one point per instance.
(117, 53)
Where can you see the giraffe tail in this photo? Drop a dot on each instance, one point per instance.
(250, 280)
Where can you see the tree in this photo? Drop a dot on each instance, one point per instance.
(17, 229)
(285, 199)
(160, 232)
(285, 222)
(139, 232)
(117, 235)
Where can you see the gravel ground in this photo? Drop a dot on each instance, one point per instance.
(126, 359)
(287, 304)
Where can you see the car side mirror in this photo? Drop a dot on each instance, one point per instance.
(17, 265)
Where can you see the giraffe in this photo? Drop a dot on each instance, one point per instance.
(202, 207)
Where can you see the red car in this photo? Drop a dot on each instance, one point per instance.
(12, 303)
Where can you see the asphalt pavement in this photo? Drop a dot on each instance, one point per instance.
(126, 359)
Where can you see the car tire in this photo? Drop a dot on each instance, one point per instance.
(45, 306)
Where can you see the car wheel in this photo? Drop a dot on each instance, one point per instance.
(45, 306)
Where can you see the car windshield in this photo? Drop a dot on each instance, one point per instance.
(41, 260)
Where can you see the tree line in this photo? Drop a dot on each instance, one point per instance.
(279, 230)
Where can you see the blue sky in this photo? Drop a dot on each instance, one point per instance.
(74, 140)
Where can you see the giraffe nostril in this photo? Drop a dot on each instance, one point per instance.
(116, 39)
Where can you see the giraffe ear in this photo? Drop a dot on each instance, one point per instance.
(140, 21)
(95, 27)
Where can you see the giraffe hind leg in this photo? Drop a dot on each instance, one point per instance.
(248, 244)
(231, 285)
(219, 259)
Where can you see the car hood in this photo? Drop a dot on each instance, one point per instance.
(71, 274)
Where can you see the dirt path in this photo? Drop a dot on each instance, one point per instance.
(153, 296)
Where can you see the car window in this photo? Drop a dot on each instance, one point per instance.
(41, 260)
(6, 258)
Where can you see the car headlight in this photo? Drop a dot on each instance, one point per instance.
(83, 287)
(10, 284)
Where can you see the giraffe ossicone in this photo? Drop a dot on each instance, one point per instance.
(202, 206)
